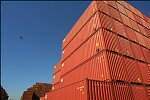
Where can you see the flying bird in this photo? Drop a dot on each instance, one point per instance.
(21, 37)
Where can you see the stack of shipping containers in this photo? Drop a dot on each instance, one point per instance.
(36, 91)
(105, 56)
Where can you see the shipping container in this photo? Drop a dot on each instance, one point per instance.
(80, 23)
(87, 31)
(75, 91)
(137, 51)
(148, 91)
(56, 78)
(105, 56)
(133, 70)
(144, 70)
(139, 92)
(122, 91)
(57, 67)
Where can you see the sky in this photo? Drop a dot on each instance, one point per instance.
(43, 25)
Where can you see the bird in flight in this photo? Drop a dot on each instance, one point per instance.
(21, 37)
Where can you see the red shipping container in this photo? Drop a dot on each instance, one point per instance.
(117, 67)
(103, 7)
(90, 27)
(100, 90)
(126, 20)
(110, 38)
(75, 91)
(129, 14)
(137, 19)
(140, 39)
(113, 4)
(56, 78)
(148, 91)
(131, 34)
(126, 5)
(121, 8)
(139, 92)
(147, 42)
(106, 21)
(144, 23)
(144, 70)
(133, 71)
(135, 25)
(122, 91)
(79, 24)
(95, 68)
(115, 14)
(119, 28)
(137, 51)
(146, 54)
(126, 47)
(143, 30)
(57, 67)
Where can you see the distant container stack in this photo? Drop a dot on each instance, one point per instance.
(105, 56)
(36, 91)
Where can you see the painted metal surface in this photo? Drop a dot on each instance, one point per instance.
(133, 71)
(95, 68)
(140, 39)
(144, 70)
(126, 20)
(137, 51)
(126, 47)
(122, 91)
(131, 34)
(139, 92)
(146, 54)
(56, 78)
(148, 91)
(100, 90)
(78, 25)
(90, 27)
(120, 28)
(57, 67)
(75, 91)
(115, 14)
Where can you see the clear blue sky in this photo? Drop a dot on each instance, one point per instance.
(43, 26)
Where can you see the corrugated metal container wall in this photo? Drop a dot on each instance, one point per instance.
(122, 91)
(147, 42)
(148, 91)
(126, 47)
(109, 38)
(90, 48)
(137, 51)
(133, 70)
(100, 90)
(131, 34)
(140, 39)
(139, 92)
(120, 28)
(82, 20)
(56, 78)
(87, 31)
(56, 86)
(146, 54)
(117, 67)
(76, 91)
(144, 72)
(57, 67)
(95, 68)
